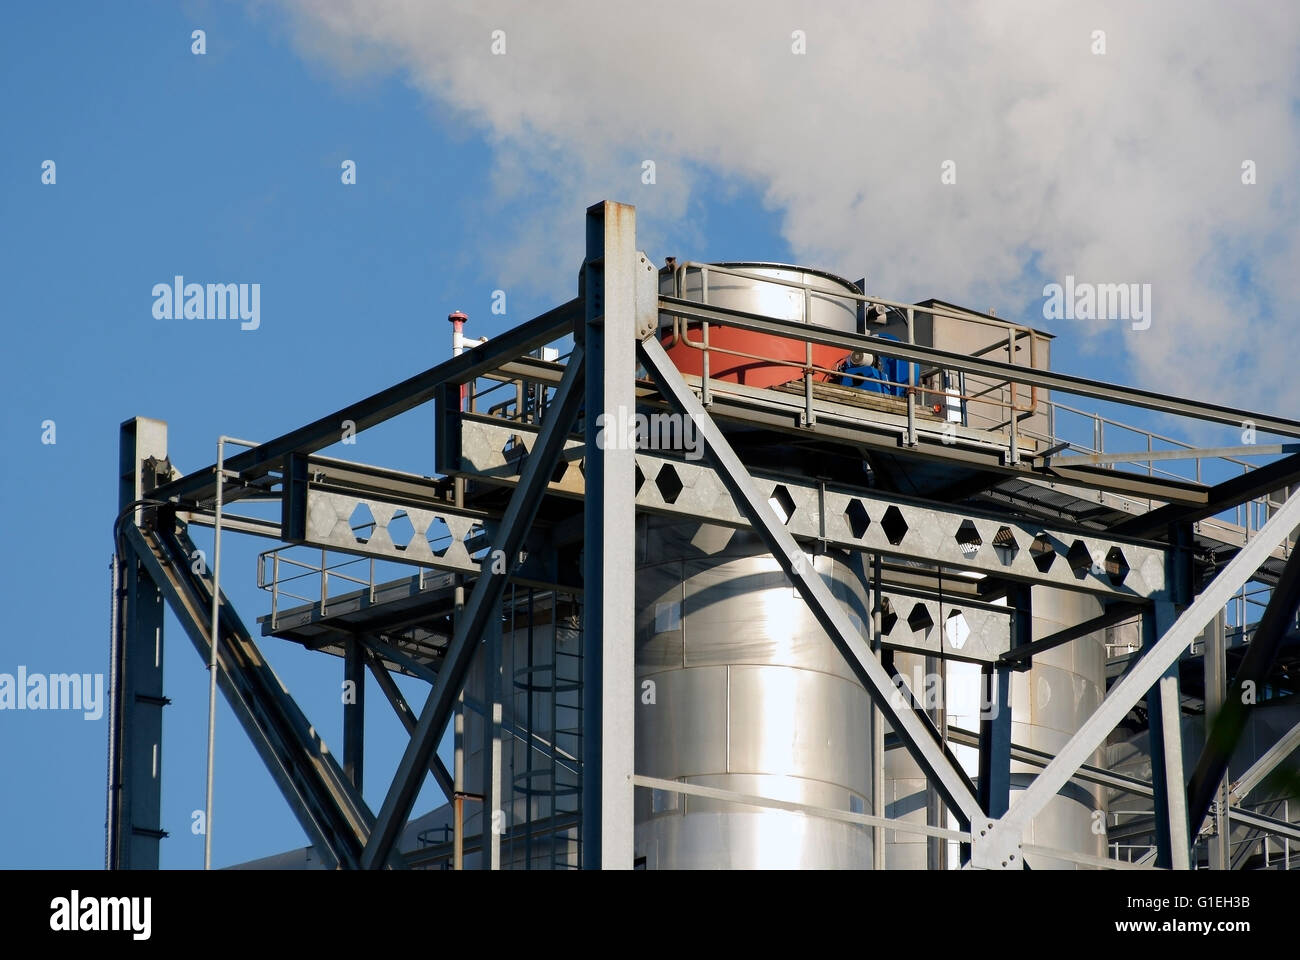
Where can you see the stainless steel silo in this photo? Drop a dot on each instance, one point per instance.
(1049, 703)
(749, 695)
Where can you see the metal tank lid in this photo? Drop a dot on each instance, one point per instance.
(794, 267)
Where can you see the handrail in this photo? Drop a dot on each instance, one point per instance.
(1015, 331)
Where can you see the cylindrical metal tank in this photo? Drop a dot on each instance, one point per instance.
(740, 689)
(747, 694)
(755, 359)
(1049, 703)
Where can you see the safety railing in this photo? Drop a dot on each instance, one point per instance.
(275, 570)
(309, 581)
(929, 381)
(1278, 851)
(511, 398)
(941, 390)
(1049, 426)
(1250, 601)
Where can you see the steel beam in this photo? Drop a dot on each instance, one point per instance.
(136, 704)
(493, 811)
(483, 604)
(862, 519)
(877, 755)
(136, 697)
(957, 629)
(935, 814)
(329, 527)
(407, 717)
(1041, 758)
(793, 806)
(1268, 825)
(386, 404)
(354, 712)
(1266, 764)
(1004, 836)
(995, 741)
(917, 736)
(421, 671)
(1278, 618)
(1062, 382)
(1187, 453)
(330, 810)
(614, 312)
(1165, 741)
(1086, 859)
(1277, 475)
(1214, 661)
(1114, 613)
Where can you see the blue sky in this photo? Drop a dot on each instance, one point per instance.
(220, 168)
(226, 167)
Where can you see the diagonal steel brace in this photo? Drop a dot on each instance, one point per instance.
(938, 763)
(484, 603)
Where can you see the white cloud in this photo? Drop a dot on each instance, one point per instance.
(1124, 167)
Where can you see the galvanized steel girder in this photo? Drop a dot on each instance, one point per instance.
(952, 628)
(855, 519)
(329, 525)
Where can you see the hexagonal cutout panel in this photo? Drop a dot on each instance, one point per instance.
(955, 629)
(1117, 567)
(888, 616)
(1005, 546)
(894, 525)
(782, 503)
(561, 468)
(968, 539)
(401, 530)
(856, 516)
(920, 619)
(1080, 559)
(514, 452)
(439, 536)
(362, 523)
(1043, 552)
(669, 483)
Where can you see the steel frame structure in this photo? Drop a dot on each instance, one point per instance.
(614, 322)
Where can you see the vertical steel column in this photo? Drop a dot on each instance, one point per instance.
(136, 699)
(458, 780)
(354, 711)
(458, 751)
(1004, 837)
(995, 741)
(1216, 690)
(609, 680)
(936, 811)
(1164, 718)
(995, 716)
(877, 726)
(494, 813)
(1276, 622)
